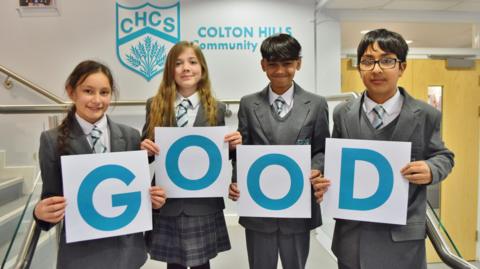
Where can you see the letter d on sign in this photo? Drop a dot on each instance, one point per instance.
(385, 181)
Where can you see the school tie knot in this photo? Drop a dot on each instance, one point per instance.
(379, 111)
(181, 114)
(97, 145)
(279, 104)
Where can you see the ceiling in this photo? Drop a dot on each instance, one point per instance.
(428, 23)
(430, 5)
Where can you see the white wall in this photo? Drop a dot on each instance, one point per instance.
(44, 49)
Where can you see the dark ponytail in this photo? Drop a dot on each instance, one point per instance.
(78, 75)
(65, 128)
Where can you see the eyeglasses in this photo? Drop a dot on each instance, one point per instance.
(384, 63)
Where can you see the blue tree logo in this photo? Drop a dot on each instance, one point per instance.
(144, 34)
(147, 58)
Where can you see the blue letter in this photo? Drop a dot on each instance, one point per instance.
(296, 178)
(124, 29)
(140, 18)
(158, 21)
(169, 24)
(214, 156)
(385, 180)
(85, 198)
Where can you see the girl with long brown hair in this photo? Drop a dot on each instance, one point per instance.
(187, 232)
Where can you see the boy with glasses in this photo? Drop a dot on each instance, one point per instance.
(387, 112)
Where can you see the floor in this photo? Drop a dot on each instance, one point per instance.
(236, 258)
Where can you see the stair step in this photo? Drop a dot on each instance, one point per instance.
(45, 253)
(10, 189)
(12, 209)
(8, 181)
(10, 216)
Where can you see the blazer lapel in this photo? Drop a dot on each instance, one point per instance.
(300, 110)
(407, 119)
(200, 119)
(78, 143)
(117, 142)
(262, 107)
(352, 119)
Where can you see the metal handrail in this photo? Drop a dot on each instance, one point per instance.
(442, 248)
(61, 105)
(25, 256)
(8, 84)
(59, 108)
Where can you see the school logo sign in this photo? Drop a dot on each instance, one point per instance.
(144, 34)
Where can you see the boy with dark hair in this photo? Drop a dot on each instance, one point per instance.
(282, 114)
(387, 112)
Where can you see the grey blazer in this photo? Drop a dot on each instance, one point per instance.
(418, 123)
(126, 251)
(190, 206)
(310, 112)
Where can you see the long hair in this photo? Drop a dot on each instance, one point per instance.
(162, 110)
(77, 77)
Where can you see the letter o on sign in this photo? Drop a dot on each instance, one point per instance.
(173, 155)
(296, 178)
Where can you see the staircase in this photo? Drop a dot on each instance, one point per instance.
(16, 183)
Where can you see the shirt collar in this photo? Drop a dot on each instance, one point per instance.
(87, 126)
(287, 96)
(194, 99)
(391, 106)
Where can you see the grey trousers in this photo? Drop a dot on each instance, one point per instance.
(263, 249)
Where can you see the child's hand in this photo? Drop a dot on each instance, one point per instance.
(158, 197)
(233, 139)
(51, 209)
(233, 192)
(417, 172)
(150, 147)
(319, 183)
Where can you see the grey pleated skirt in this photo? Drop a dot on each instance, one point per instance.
(187, 240)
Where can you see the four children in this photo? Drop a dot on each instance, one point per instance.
(190, 232)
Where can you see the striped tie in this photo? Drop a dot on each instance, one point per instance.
(97, 145)
(279, 104)
(378, 119)
(181, 115)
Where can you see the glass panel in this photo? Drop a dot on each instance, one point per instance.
(21, 223)
(19, 140)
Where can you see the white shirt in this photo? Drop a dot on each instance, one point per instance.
(392, 107)
(286, 96)
(101, 124)
(192, 110)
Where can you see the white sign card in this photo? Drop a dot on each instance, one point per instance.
(193, 161)
(274, 181)
(366, 183)
(107, 194)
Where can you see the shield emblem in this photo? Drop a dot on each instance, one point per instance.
(144, 35)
